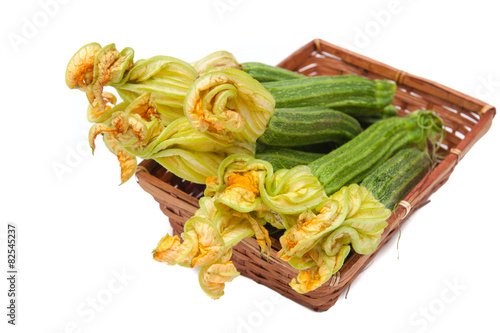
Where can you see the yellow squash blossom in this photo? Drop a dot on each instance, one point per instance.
(93, 67)
(228, 105)
(232, 209)
(213, 277)
(321, 239)
(179, 147)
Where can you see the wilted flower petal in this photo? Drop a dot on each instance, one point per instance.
(202, 245)
(213, 277)
(128, 162)
(310, 227)
(80, 69)
(97, 115)
(170, 250)
(325, 267)
(109, 68)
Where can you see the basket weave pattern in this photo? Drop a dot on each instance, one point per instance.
(466, 121)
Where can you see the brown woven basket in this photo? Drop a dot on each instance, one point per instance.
(466, 119)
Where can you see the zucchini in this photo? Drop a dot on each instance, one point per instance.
(351, 94)
(267, 73)
(366, 115)
(388, 112)
(285, 158)
(320, 148)
(392, 181)
(292, 127)
(354, 160)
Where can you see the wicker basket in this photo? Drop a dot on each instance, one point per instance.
(466, 119)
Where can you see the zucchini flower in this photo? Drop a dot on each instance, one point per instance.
(208, 239)
(213, 278)
(237, 189)
(128, 162)
(93, 67)
(362, 227)
(218, 60)
(80, 69)
(248, 186)
(320, 270)
(168, 80)
(322, 237)
(244, 195)
(292, 191)
(228, 105)
(239, 182)
(310, 226)
(179, 147)
(96, 115)
(132, 128)
(202, 244)
(186, 152)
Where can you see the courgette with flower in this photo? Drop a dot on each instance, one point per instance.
(188, 124)
(246, 195)
(239, 201)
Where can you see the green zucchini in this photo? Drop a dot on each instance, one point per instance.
(365, 114)
(267, 73)
(392, 181)
(351, 94)
(388, 112)
(284, 158)
(354, 160)
(320, 148)
(292, 127)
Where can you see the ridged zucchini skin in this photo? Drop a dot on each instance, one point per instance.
(293, 127)
(351, 94)
(284, 158)
(392, 181)
(267, 73)
(388, 112)
(354, 160)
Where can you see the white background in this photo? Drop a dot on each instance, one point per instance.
(77, 232)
